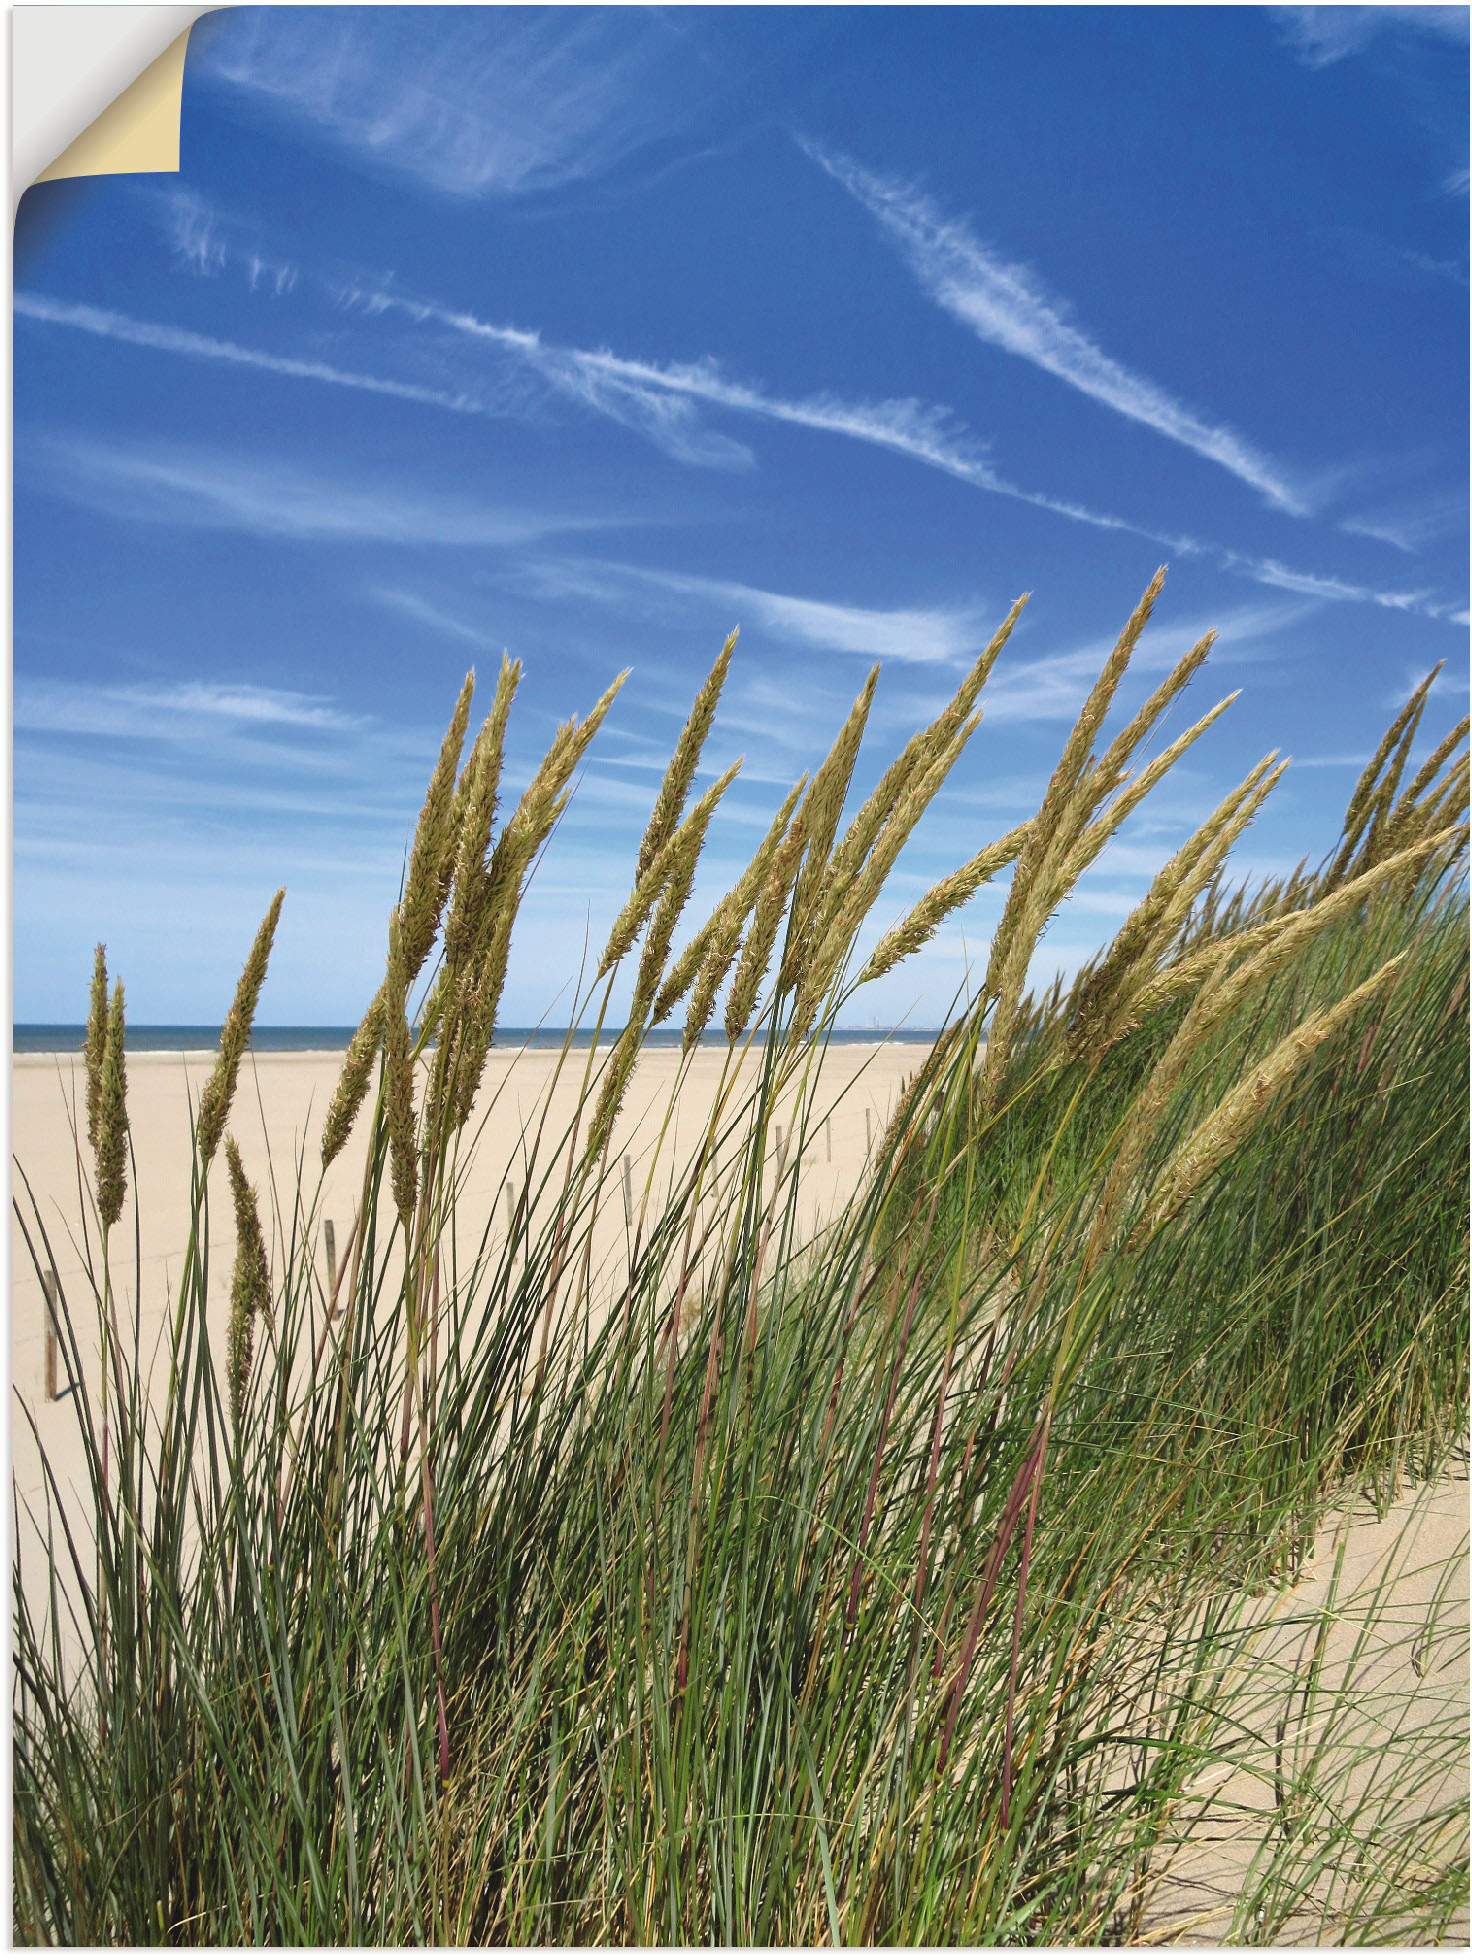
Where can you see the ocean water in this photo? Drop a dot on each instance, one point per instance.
(47, 1038)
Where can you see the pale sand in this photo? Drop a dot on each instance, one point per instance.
(277, 1117)
(1390, 1625)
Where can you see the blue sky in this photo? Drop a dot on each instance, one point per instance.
(590, 334)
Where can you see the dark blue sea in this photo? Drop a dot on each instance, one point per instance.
(45, 1038)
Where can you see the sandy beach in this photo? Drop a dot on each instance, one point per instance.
(1400, 1620)
(277, 1120)
(1345, 1675)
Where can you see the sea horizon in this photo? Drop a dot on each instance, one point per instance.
(62, 1037)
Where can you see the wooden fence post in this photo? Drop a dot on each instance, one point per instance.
(51, 1287)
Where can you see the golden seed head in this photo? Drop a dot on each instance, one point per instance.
(1107, 1001)
(112, 1119)
(756, 954)
(473, 817)
(682, 974)
(1295, 929)
(715, 965)
(1408, 717)
(639, 904)
(874, 813)
(544, 799)
(617, 1070)
(1197, 966)
(1225, 985)
(689, 842)
(744, 893)
(432, 858)
(1451, 800)
(849, 900)
(968, 692)
(494, 891)
(1057, 848)
(707, 959)
(1218, 1135)
(486, 900)
(1369, 802)
(250, 1289)
(219, 1091)
(670, 801)
(1096, 834)
(1426, 775)
(939, 902)
(1074, 759)
(823, 805)
(352, 1083)
(470, 1027)
(821, 809)
(1139, 725)
(95, 1046)
(398, 1078)
(674, 861)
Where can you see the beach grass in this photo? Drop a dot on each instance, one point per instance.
(649, 1567)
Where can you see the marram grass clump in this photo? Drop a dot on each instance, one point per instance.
(640, 1568)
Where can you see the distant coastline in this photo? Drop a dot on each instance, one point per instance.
(60, 1038)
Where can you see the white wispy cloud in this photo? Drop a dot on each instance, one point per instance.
(662, 399)
(424, 614)
(488, 102)
(1267, 571)
(662, 402)
(901, 633)
(274, 499)
(60, 791)
(800, 722)
(1053, 687)
(199, 241)
(1410, 526)
(1320, 36)
(243, 703)
(108, 325)
(167, 712)
(1103, 903)
(1005, 304)
(904, 633)
(1388, 262)
(1452, 269)
(1448, 681)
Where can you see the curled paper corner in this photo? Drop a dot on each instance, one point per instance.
(81, 106)
(139, 131)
